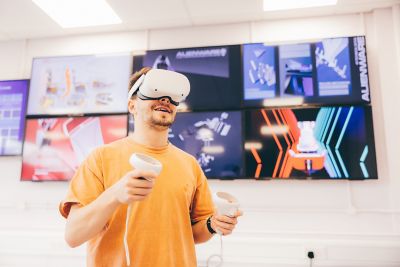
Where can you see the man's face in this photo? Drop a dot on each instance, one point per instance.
(159, 114)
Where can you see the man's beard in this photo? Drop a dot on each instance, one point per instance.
(160, 123)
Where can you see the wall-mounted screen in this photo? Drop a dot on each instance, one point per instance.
(333, 67)
(13, 96)
(214, 74)
(79, 84)
(54, 147)
(332, 71)
(214, 139)
(260, 72)
(295, 70)
(327, 142)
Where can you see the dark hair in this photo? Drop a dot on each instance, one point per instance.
(136, 76)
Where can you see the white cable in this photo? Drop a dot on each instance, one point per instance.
(217, 256)
(128, 215)
(141, 162)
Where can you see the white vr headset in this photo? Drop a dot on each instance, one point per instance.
(158, 83)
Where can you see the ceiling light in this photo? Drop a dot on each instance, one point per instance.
(273, 5)
(79, 13)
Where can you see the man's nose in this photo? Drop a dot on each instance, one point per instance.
(165, 100)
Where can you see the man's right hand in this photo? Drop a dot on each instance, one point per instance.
(84, 222)
(136, 185)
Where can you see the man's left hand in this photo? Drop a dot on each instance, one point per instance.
(225, 224)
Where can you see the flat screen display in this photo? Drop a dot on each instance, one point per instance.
(333, 71)
(214, 139)
(333, 67)
(326, 142)
(214, 74)
(295, 70)
(55, 147)
(13, 96)
(79, 84)
(260, 71)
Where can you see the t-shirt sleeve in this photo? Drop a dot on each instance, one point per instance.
(86, 185)
(203, 205)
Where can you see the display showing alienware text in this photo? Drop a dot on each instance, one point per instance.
(214, 74)
(263, 111)
(333, 71)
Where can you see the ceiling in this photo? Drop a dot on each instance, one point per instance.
(22, 19)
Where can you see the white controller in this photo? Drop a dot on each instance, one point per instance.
(226, 204)
(144, 163)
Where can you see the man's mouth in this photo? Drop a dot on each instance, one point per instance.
(163, 109)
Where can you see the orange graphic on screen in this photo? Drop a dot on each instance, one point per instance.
(295, 141)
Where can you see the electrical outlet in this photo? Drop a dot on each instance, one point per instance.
(310, 254)
(314, 252)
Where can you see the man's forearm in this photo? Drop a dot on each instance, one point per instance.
(84, 223)
(200, 232)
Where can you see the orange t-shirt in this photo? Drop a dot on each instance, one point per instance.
(160, 227)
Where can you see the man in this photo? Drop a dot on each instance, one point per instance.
(170, 212)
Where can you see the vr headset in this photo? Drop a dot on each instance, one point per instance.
(158, 83)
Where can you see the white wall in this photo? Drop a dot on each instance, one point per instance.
(345, 223)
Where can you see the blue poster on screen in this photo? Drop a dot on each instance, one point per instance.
(296, 70)
(13, 97)
(259, 71)
(333, 67)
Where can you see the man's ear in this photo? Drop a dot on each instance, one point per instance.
(131, 106)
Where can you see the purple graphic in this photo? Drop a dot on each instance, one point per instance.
(333, 67)
(259, 74)
(296, 70)
(330, 71)
(13, 95)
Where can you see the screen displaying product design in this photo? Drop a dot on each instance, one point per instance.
(213, 72)
(55, 147)
(295, 70)
(13, 95)
(327, 142)
(213, 138)
(332, 71)
(333, 67)
(259, 71)
(79, 84)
